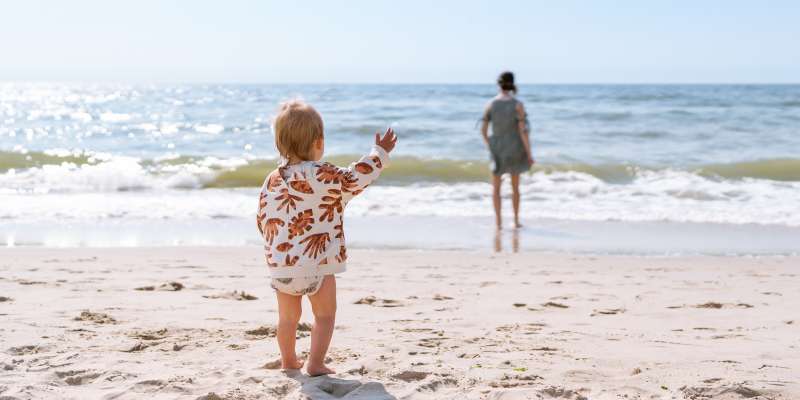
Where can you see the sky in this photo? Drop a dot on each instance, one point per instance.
(411, 41)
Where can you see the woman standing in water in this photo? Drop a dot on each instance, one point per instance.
(509, 144)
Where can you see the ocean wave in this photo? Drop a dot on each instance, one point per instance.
(601, 116)
(75, 171)
(652, 196)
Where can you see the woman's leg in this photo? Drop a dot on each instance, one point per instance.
(496, 181)
(323, 303)
(515, 198)
(289, 310)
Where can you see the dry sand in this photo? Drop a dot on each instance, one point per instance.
(198, 323)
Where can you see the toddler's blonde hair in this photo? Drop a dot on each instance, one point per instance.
(296, 127)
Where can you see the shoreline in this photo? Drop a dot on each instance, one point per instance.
(423, 324)
(430, 233)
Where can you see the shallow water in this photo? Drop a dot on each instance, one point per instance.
(83, 153)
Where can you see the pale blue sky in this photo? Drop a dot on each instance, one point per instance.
(400, 41)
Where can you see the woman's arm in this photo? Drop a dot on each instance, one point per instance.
(485, 126)
(524, 134)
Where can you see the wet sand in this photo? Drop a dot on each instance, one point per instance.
(198, 323)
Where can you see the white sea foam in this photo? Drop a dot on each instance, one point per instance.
(115, 174)
(124, 187)
(114, 117)
(212, 129)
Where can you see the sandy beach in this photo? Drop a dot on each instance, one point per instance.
(198, 323)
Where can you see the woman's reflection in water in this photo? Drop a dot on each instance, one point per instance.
(498, 240)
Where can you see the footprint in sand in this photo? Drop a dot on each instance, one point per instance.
(7, 367)
(264, 331)
(210, 396)
(555, 305)
(510, 381)
(167, 287)
(358, 371)
(274, 364)
(24, 350)
(27, 282)
(235, 295)
(77, 377)
(376, 302)
(719, 392)
(139, 346)
(436, 383)
(411, 376)
(327, 387)
(561, 393)
(4, 299)
(150, 335)
(97, 318)
(526, 329)
(607, 311)
(715, 305)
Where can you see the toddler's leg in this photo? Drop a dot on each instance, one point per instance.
(323, 303)
(289, 310)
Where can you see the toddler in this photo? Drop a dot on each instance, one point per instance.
(300, 218)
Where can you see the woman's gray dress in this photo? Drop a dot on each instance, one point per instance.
(508, 151)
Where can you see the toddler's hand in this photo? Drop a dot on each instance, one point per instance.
(388, 140)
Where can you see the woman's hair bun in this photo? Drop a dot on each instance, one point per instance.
(506, 81)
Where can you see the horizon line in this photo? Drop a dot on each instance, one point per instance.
(178, 82)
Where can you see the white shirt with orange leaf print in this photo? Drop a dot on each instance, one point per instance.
(300, 214)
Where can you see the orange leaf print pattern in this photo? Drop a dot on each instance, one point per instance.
(331, 204)
(363, 168)
(301, 223)
(283, 247)
(300, 214)
(339, 230)
(377, 161)
(316, 244)
(349, 182)
(328, 173)
(342, 256)
(274, 180)
(301, 186)
(272, 229)
(287, 200)
(262, 202)
(291, 261)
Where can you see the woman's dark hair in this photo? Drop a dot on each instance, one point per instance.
(506, 81)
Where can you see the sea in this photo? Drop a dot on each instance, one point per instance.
(654, 169)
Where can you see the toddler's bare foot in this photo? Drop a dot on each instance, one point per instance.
(292, 364)
(517, 225)
(319, 370)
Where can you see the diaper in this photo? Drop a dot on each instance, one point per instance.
(305, 285)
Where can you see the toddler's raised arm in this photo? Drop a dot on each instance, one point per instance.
(360, 174)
